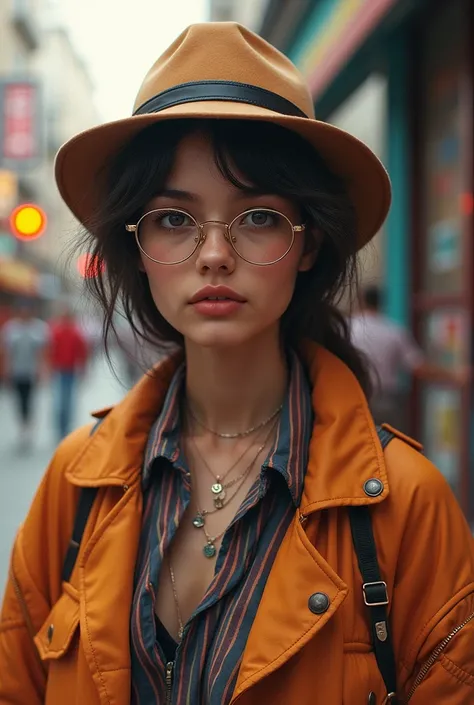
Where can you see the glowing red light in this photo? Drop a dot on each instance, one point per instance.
(89, 266)
(467, 203)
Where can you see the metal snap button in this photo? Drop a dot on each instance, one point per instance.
(372, 699)
(373, 487)
(49, 633)
(319, 603)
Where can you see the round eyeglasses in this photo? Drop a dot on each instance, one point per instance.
(260, 236)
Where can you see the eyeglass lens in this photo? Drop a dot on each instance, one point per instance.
(260, 236)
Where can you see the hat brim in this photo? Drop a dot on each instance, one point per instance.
(80, 163)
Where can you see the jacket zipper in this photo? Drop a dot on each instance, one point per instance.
(434, 656)
(26, 616)
(169, 681)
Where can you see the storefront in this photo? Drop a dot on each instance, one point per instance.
(419, 54)
(442, 233)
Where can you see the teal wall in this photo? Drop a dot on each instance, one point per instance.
(318, 17)
(391, 53)
(397, 255)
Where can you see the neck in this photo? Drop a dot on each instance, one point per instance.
(233, 389)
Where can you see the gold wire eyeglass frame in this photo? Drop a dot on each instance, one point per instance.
(201, 237)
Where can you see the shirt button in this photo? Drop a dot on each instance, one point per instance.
(319, 603)
(373, 487)
(49, 633)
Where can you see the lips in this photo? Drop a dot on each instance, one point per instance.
(217, 293)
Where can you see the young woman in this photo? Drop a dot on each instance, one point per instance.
(217, 563)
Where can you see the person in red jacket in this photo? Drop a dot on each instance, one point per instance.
(68, 355)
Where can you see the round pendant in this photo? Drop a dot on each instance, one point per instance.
(216, 488)
(198, 521)
(209, 550)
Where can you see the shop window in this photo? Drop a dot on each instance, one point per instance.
(443, 162)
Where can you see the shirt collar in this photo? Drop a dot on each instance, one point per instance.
(163, 441)
(289, 454)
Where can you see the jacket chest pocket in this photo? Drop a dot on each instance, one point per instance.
(56, 636)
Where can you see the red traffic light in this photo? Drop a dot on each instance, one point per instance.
(28, 221)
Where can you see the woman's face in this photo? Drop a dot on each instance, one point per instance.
(261, 294)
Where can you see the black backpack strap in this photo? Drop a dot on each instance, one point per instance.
(374, 588)
(86, 500)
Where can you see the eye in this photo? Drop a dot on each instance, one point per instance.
(174, 219)
(260, 219)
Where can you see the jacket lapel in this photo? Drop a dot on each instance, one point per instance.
(284, 622)
(344, 453)
(112, 459)
(106, 576)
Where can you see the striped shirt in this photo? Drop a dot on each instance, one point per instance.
(207, 660)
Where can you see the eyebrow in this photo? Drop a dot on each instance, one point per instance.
(177, 193)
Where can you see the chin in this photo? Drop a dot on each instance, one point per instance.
(222, 334)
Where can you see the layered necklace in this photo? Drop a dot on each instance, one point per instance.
(223, 498)
(240, 434)
(219, 492)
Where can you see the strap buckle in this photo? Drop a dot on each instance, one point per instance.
(375, 594)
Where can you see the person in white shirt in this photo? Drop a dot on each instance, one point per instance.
(24, 339)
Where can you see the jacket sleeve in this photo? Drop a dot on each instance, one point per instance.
(433, 594)
(34, 581)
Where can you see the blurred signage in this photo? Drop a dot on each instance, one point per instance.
(20, 124)
(442, 428)
(8, 192)
(334, 31)
(18, 277)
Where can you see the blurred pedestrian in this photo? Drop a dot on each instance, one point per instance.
(392, 353)
(67, 359)
(24, 338)
(223, 549)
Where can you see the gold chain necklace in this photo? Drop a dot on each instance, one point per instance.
(199, 521)
(219, 487)
(242, 434)
(219, 479)
(176, 601)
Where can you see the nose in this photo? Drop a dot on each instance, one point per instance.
(215, 254)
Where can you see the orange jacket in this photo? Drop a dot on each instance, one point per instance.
(80, 654)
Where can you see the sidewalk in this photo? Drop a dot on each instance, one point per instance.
(20, 474)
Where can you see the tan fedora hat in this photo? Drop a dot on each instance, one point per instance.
(223, 70)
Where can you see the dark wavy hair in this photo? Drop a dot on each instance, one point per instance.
(271, 159)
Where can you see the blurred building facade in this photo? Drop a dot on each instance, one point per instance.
(399, 75)
(46, 96)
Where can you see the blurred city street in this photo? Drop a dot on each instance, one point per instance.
(21, 472)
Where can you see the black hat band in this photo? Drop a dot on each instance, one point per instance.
(220, 90)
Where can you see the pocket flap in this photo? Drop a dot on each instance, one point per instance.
(54, 637)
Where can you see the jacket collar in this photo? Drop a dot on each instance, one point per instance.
(344, 452)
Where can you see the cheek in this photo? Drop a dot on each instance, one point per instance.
(278, 283)
(164, 283)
